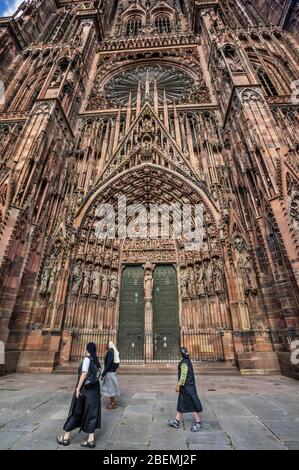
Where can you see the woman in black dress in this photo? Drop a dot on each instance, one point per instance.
(85, 409)
(188, 401)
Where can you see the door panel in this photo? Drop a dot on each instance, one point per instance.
(131, 321)
(166, 314)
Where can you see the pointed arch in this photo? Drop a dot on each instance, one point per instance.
(127, 180)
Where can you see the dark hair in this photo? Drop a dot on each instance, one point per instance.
(184, 352)
(92, 349)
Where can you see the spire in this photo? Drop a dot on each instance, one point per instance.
(156, 97)
(129, 111)
(147, 87)
(117, 130)
(165, 110)
(138, 102)
(177, 127)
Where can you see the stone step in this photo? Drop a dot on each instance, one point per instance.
(219, 369)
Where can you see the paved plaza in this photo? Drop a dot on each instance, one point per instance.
(239, 413)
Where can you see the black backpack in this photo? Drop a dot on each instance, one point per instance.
(93, 375)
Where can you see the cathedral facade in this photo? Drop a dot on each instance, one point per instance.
(163, 103)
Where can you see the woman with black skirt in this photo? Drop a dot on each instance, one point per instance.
(188, 401)
(85, 409)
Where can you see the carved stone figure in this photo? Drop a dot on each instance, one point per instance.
(49, 274)
(96, 282)
(218, 277)
(184, 281)
(45, 279)
(77, 277)
(113, 286)
(105, 285)
(200, 277)
(87, 279)
(248, 275)
(53, 271)
(148, 281)
(209, 276)
(191, 283)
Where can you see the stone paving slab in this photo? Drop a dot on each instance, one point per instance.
(227, 406)
(284, 430)
(145, 410)
(209, 446)
(9, 438)
(247, 433)
(133, 429)
(263, 408)
(292, 445)
(164, 438)
(239, 413)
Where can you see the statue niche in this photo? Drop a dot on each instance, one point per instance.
(245, 265)
(113, 286)
(96, 282)
(50, 271)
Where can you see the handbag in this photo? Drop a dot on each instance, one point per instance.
(93, 375)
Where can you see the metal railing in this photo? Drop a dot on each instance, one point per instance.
(80, 339)
(136, 347)
(204, 346)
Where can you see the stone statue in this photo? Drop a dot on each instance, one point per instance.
(191, 283)
(200, 279)
(96, 282)
(105, 286)
(77, 277)
(218, 278)
(209, 276)
(113, 286)
(53, 271)
(148, 285)
(45, 279)
(247, 272)
(49, 275)
(107, 258)
(184, 284)
(87, 279)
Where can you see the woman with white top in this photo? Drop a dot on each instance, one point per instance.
(109, 377)
(85, 409)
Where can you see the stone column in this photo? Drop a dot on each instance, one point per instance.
(148, 314)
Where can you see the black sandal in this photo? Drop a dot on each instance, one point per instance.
(90, 445)
(61, 441)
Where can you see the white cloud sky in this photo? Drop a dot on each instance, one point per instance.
(11, 6)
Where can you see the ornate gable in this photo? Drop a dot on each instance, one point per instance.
(147, 140)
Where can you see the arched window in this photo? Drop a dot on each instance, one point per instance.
(267, 83)
(163, 24)
(133, 26)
